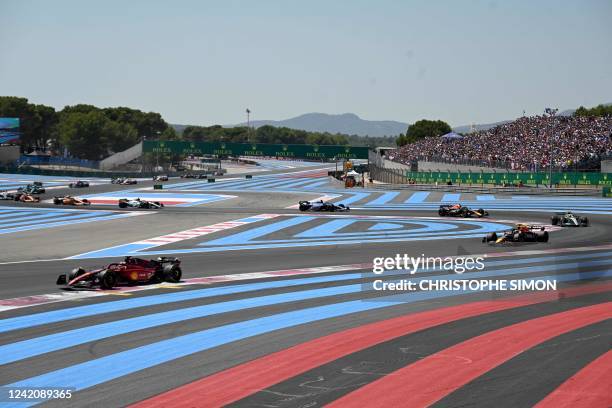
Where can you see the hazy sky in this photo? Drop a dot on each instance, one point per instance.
(204, 62)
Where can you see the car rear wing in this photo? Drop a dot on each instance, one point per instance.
(167, 259)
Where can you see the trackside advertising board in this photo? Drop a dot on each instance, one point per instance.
(313, 152)
(533, 179)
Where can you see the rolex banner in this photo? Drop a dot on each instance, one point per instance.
(314, 152)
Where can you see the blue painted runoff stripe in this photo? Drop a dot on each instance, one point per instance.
(33, 347)
(37, 319)
(485, 197)
(417, 197)
(354, 198)
(41, 218)
(450, 198)
(384, 198)
(104, 369)
(70, 221)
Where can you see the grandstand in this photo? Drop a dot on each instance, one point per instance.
(526, 144)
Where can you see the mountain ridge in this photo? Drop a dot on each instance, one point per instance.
(351, 124)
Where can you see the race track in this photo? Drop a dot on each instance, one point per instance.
(278, 308)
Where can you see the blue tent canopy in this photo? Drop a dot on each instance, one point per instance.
(452, 135)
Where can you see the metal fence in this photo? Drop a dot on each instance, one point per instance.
(57, 161)
(581, 166)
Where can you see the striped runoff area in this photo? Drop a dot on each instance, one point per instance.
(326, 339)
(11, 182)
(424, 200)
(176, 200)
(358, 198)
(16, 219)
(261, 183)
(305, 230)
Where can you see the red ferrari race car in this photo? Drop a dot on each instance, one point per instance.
(129, 271)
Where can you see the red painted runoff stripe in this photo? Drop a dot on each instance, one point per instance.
(243, 380)
(436, 376)
(590, 387)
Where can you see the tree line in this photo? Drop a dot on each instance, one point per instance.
(85, 131)
(599, 110)
(90, 132)
(263, 134)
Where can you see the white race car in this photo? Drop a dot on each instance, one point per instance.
(138, 203)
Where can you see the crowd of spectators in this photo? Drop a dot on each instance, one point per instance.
(524, 144)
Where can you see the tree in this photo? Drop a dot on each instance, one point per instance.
(37, 122)
(401, 140)
(426, 128)
(599, 110)
(88, 135)
(47, 130)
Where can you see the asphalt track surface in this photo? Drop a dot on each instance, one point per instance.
(277, 308)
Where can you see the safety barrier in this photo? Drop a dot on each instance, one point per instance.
(77, 173)
(501, 179)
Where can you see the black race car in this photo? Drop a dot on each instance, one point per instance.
(79, 184)
(130, 271)
(322, 206)
(458, 210)
(520, 233)
(138, 203)
(569, 219)
(34, 188)
(160, 177)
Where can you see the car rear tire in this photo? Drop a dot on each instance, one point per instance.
(491, 237)
(122, 204)
(172, 273)
(542, 236)
(584, 222)
(555, 220)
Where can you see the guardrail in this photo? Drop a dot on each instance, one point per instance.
(57, 161)
(76, 173)
(586, 192)
(493, 183)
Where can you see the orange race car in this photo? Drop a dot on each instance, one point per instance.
(70, 200)
(26, 198)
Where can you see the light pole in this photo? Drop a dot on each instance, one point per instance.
(248, 112)
(551, 113)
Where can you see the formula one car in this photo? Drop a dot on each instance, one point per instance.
(35, 188)
(520, 233)
(5, 195)
(70, 200)
(79, 184)
(26, 198)
(162, 177)
(569, 219)
(138, 203)
(123, 181)
(322, 206)
(457, 210)
(129, 271)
